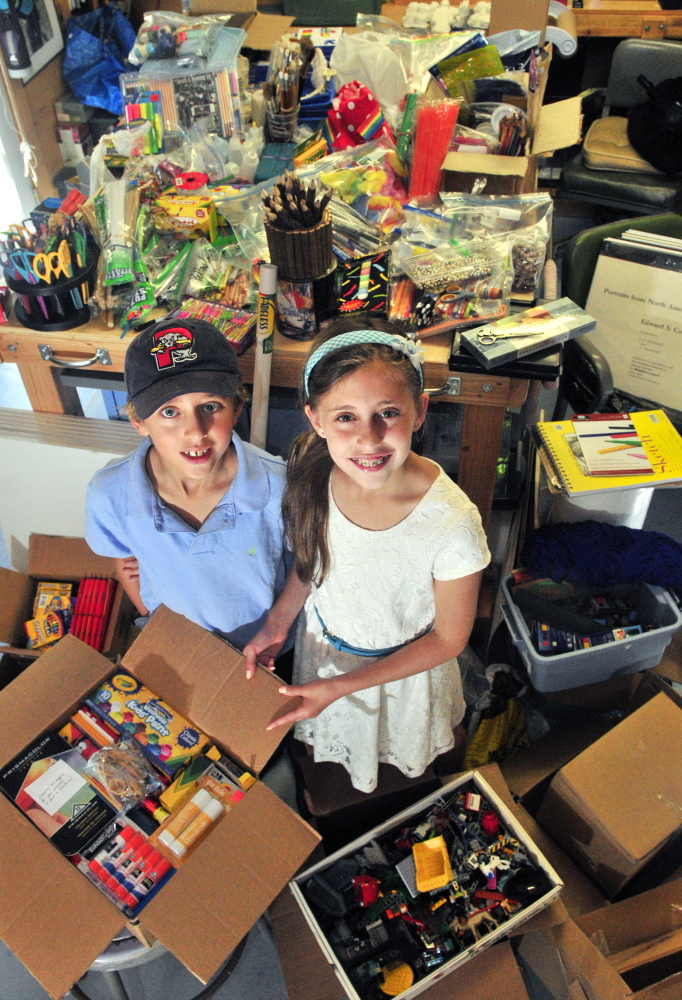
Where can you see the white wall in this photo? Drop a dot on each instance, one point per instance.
(43, 481)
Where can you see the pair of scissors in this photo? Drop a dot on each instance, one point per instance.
(47, 265)
(488, 337)
(21, 235)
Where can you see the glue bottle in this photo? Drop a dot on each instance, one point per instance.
(249, 164)
(235, 151)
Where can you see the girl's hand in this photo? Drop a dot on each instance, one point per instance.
(316, 695)
(263, 648)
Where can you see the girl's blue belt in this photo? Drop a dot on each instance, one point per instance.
(345, 647)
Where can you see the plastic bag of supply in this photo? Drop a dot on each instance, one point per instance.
(122, 771)
(370, 178)
(367, 57)
(207, 39)
(96, 50)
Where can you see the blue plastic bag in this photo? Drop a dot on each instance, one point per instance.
(97, 47)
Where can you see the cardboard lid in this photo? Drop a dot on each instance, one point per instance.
(51, 687)
(16, 592)
(486, 163)
(559, 125)
(204, 678)
(265, 30)
(230, 880)
(44, 898)
(631, 779)
(54, 557)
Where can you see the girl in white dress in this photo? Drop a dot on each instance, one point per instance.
(388, 556)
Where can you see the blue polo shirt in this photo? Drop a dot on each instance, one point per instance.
(226, 575)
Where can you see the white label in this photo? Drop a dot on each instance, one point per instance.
(55, 787)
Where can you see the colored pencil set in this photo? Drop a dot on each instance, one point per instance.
(290, 205)
(237, 326)
(93, 610)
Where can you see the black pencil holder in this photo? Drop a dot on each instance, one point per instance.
(301, 254)
(54, 307)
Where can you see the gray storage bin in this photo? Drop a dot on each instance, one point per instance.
(654, 605)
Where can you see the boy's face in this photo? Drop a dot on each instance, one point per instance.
(192, 433)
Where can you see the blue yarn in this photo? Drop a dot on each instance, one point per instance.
(595, 554)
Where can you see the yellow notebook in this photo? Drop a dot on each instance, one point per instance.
(660, 440)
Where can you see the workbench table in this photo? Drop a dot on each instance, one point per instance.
(485, 397)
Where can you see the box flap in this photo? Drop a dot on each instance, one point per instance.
(204, 678)
(639, 920)
(54, 557)
(265, 30)
(44, 899)
(559, 125)
(584, 962)
(486, 163)
(219, 893)
(16, 602)
(52, 686)
(631, 779)
(531, 15)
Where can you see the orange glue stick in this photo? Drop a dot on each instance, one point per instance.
(189, 812)
(212, 811)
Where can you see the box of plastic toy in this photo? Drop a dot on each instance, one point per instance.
(415, 898)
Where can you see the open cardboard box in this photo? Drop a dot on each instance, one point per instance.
(616, 808)
(550, 127)
(222, 889)
(54, 557)
(426, 984)
(631, 950)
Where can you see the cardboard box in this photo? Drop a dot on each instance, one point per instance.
(504, 929)
(550, 127)
(217, 895)
(54, 557)
(631, 950)
(616, 808)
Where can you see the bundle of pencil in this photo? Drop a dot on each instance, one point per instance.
(290, 205)
(92, 611)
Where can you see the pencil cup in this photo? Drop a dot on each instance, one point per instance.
(301, 254)
(305, 307)
(281, 127)
(61, 305)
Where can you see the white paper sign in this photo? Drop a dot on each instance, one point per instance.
(55, 787)
(639, 327)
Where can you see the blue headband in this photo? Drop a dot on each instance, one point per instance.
(412, 349)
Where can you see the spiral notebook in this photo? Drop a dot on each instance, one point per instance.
(659, 440)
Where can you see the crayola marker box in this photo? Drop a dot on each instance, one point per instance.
(46, 782)
(132, 709)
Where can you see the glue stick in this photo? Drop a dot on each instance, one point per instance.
(184, 817)
(212, 811)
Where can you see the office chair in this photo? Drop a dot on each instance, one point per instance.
(639, 189)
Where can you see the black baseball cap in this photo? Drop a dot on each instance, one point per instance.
(177, 356)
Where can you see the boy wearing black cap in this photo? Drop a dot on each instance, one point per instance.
(195, 506)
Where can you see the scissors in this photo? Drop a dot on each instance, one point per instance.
(48, 265)
(21, 235)
(488, 337)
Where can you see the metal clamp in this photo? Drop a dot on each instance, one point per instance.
(452, 387)
(101, 357)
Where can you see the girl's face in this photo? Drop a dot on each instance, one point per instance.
(192, 433)
(367, 419)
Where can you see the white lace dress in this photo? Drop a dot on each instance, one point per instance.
(379, 593)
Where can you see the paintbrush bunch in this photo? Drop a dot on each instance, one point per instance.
(289, 61)
(291, 205)
(513, 132)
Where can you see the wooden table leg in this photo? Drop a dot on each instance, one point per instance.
(41, 387)
(479, 450)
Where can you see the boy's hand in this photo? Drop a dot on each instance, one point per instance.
(316, 696)
(263, 648)
(130, 569)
